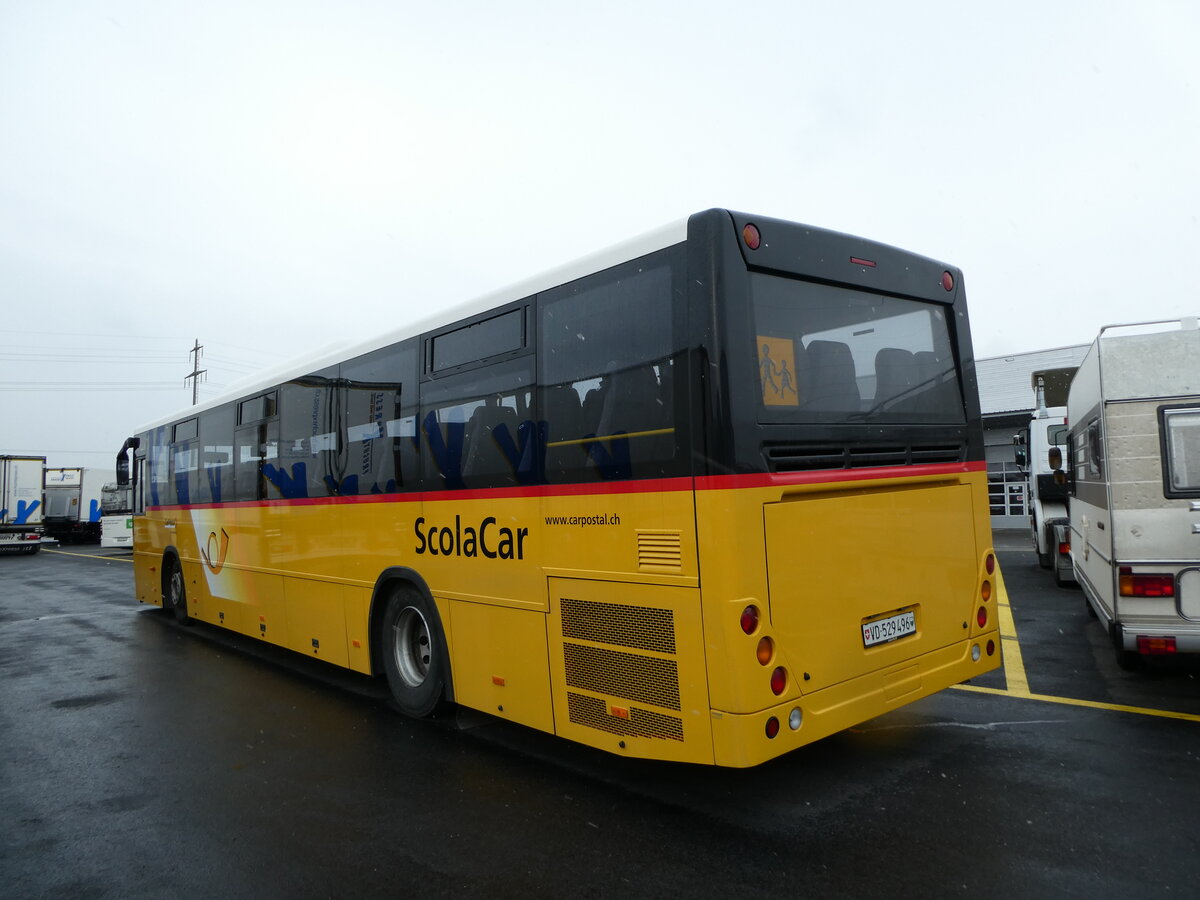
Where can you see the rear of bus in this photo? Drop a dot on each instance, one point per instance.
(842, 517)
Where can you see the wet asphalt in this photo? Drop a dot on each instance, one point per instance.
(139, 758)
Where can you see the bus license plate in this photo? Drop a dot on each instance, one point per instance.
(881, 631)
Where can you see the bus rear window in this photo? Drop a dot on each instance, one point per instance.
(832, 354)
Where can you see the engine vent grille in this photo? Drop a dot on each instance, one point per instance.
(636, 627)
(593, 713)
(647, 679)
(787, 457)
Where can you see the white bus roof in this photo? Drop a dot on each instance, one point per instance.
(330, 354)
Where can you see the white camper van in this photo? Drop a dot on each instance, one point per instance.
(1134, 414)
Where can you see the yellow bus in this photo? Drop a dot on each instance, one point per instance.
(706, 496)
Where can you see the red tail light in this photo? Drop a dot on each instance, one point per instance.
(772, 727)
(778, 680)
(990, 563)
(1155, 646)
(750, 619)
(751, 236)
(1145, 585)
(981, 616)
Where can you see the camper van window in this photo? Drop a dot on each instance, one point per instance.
(1089, 453)
(1181, 449)
(1095, 451)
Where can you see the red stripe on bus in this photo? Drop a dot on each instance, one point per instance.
(833, 476)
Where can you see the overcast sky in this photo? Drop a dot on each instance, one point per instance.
(271, 177)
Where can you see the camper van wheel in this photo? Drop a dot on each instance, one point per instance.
(1127, 660)
(1045, 560)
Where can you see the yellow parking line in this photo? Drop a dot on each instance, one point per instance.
(89, 555)
(1018, 683)
(1014, 665)
(1090, 704)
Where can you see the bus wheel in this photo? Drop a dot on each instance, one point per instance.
(175, 595)
(414, 653)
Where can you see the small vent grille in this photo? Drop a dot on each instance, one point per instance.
(593, 713)
(637, 627)
(803, 457)
(647, 679)
(660, 550)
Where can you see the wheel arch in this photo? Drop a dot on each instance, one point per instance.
(396, 576)
(170, 554)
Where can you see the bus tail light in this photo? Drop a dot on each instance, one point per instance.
(778, 680)
(1145, 585)
(948, 281)
(751, 236)
(766, 651)
(981, 616)
(985, 591)
(1155, 646)
(990, 563)
(772, 727)
(750, 619)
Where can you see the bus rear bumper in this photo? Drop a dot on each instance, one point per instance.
(741, 740)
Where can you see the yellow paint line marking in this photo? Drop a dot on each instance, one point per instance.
(87, 555)
(1090, 704)
(1014, 665)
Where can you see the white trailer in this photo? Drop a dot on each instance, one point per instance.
(73, 504)
(1040, 451)
(21, 503)
(1134, 412)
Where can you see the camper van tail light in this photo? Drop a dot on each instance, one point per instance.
(1155, 646)
(1144, 585)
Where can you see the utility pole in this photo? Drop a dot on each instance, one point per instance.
(196, 371)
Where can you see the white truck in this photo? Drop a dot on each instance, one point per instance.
(1040, 450)
(1134, 412)
(72, 513)
(21, 503)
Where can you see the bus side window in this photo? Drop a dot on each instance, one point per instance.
(490, 445)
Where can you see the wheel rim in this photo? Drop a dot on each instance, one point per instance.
(175, 588)
(413, 646)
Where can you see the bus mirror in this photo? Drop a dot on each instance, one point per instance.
(1060, 477)
(1055, 458)
(1021, 458)
(123, 460)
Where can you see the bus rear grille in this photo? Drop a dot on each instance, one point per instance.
(782, 457)
(637, 627)
(592, 712)
(646, 679)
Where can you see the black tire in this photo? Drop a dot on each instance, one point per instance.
(1127, 660)
(415, 657)
(1046, 560)
(175, 592)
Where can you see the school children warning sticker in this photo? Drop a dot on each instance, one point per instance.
(777, 371)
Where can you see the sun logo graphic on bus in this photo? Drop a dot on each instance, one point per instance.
(214, 550)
